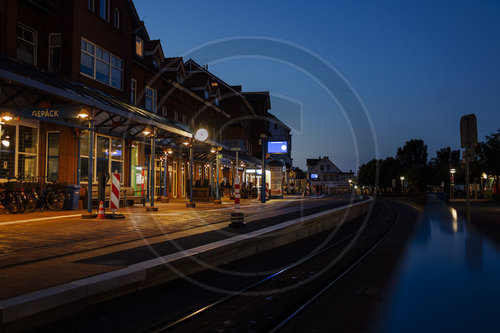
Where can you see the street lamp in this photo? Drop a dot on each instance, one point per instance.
(402, 183)
(452, 181)
(484, 177)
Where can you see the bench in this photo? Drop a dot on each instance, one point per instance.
(128, 196)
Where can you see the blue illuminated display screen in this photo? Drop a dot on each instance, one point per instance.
(277, 147)
(314, 176)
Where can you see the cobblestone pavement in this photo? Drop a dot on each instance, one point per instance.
(40, 250)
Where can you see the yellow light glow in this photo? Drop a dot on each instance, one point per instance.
(7, 118)
(146, 132)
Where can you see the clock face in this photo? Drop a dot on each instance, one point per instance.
(201, 134)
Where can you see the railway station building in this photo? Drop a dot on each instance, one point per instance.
(85, 91)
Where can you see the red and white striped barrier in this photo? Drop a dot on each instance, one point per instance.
(237, 192)
(115, 192)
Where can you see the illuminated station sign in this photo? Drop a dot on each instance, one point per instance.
(277, 147)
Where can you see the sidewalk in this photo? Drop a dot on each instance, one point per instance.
(50, 248)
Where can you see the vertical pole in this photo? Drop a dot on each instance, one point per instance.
(263, 185)
(91, 164)
(217, 169)
(152, 167)
(212, 192)
(78, 161)
(165, 172)
(237, 167)
(148, 181)
(191, 173)
(467, 189)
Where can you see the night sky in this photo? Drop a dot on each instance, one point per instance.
(416, 66)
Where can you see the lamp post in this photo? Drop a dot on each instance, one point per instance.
(484, 176)
(263, 177)
(452, 181)
(152, 173)
(89, 116)
(402, 178)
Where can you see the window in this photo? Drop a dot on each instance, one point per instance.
(8, 150)
(150, 99)
(55, 43)
(176, 116)
(328, 167)
(27, 152)
(206, 94)
(18, 151)
(184, 119)
(101, 65)
(139, 47)
(52, 156)
(155, 62)
(133, 92)
(91, 5)
(322, 168)
(216, 101)
(26, 44)
(116, 18)
(275, 126)
(108, 155)
(104, 9)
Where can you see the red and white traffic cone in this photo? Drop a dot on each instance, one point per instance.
(101, 214)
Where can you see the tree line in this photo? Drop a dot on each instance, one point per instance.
(413, 163)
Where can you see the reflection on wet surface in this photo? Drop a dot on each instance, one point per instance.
(449, 280)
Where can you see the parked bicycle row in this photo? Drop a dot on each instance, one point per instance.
(19, 196)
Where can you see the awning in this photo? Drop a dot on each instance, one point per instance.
(24, 87)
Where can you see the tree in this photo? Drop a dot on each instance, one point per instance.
(488, 154)
(413, 154)
(413, 160)
(367, 173)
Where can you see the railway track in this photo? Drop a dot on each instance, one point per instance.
(264, 306)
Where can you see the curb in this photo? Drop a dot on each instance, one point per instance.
(62, 300)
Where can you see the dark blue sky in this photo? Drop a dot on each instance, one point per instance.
(417, 66)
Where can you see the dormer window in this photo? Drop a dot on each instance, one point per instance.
(206, 94)
(216, 101)
(139, 47)
(155, 62)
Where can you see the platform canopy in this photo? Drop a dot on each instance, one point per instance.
(27, 92)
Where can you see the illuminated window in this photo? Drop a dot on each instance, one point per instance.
(139, 47)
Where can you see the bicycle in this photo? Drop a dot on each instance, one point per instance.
(10, 196)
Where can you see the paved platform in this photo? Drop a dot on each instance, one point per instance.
(42, 250)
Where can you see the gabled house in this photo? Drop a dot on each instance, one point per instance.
(325, 177)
